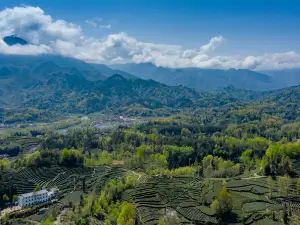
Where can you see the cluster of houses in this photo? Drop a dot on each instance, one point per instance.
(38, 197)
(2, 125)
(2, 156)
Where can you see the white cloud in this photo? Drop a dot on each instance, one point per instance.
(96, 23)
(92, 23)
(46, 35)
(212, 45)
(24, 49)
(35, 26)
(108, 26)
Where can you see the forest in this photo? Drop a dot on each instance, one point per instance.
(149, 112)
(232, 163)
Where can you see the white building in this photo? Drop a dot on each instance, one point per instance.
(53, 192)
(38, 197)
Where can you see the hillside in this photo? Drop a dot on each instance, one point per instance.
(27, 69)
(202, 79)
(52, 62)
(287, 77)
(68, 85)
(72, 93)
(53, 82)
(180, 167)
(19, 73)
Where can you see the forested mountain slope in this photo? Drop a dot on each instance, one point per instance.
(68, 85)
(286, 77)
(202, 79)
(72, 93)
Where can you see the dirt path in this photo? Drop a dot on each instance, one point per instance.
(254, 177)
(136, 174)
(32, 222)
(9, 210)
(58, 218)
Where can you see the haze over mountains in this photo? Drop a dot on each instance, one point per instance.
(287, 77)
(33, 80)
(214, 79)
(70, 85)
(41, 83)
(202, 79)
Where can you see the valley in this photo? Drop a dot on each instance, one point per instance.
(83, 143)
(234, 161)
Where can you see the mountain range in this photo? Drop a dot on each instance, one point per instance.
(214, 79)
(197, 78)
(286, 77)
(18, 73)
(70, 85)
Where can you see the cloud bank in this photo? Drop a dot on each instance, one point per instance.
(48, 36)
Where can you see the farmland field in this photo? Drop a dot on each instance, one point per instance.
(190, 199)
(66, 179)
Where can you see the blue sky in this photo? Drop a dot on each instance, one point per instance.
(249, 27)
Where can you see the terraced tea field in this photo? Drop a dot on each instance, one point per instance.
(65, 178)
(183, 195)
(26, 143)
(190, 198)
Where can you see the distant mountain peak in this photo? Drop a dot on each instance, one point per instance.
(201, 79)
(116, 77)
(14, 40)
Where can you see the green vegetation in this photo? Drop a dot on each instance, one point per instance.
(201, 158)
(222, 206)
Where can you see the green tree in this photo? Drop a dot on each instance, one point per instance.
(161, 221)
(60, 142)
(83, 185)
(127, 215)
(284, 183)
(107, 222)
(4, 164)
(271, 184)
(169, 219)
(186, 132)
(298, 186)
(141, 153)
(37, 188)
(215, 205)
(285, 215)
(96, 209)
(15, 198)
(48, 221)
(223, 205)
(71, 157)
(246, 157)
(105, 158)
(81, 221)
(5, 197)
(286, 165)
(207, 161)
(81, 202)
(281, 185)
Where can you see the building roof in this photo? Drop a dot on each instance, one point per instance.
(34, 193)
(54, 189)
